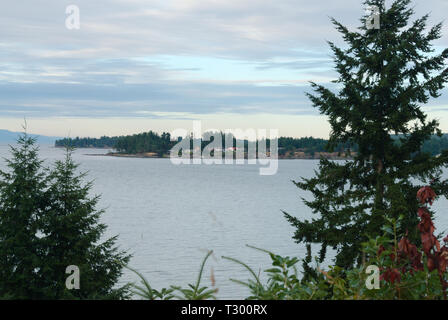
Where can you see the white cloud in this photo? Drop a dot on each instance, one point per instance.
(154, 57)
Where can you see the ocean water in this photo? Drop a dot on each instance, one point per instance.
(169, 216)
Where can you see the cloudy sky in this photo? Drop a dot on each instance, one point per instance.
(136, 65)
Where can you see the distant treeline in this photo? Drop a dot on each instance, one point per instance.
(436, 145)
(161, 144)
(132, 144)
(103, 142)
(145, 142)
(308, 145)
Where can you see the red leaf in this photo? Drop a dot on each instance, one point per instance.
(426, 195)
(432, 263)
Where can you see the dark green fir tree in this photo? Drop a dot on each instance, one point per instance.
(73, 235)
(22, 203)
(48, 222)
(386, 75)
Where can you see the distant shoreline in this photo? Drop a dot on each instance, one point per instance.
(151, 155)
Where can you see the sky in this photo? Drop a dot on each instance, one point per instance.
(139, 65)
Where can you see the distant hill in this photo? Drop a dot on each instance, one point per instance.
(7, 136)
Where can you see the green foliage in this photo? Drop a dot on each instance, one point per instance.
(407, 283)
(195, 292)
(283, 281)
(72, 237)
(308, 145)
(48, 221)
(22, 203)
(103, 142)
(145, 142)
(385, 76)
(192, 292)
(416, 285)
(145, 290)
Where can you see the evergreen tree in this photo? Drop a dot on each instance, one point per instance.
(48, 222)
(72, 237)
(385, 75)
(22, 203)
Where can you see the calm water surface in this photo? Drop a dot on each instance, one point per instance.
(168, 216)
